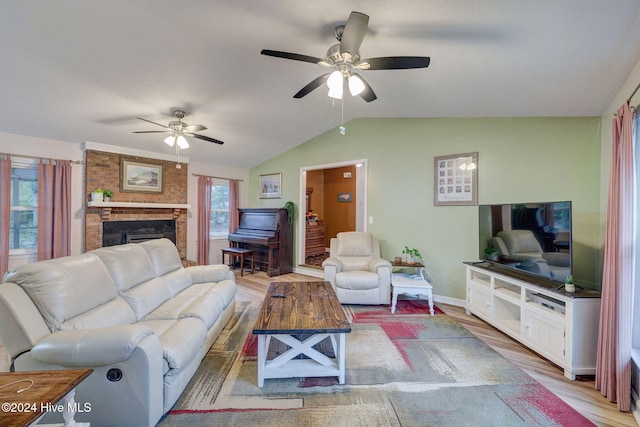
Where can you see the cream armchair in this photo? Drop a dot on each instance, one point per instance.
(356, 271)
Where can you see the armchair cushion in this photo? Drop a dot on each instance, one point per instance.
(357, 280)
(354, 245)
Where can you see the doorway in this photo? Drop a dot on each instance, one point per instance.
(333, 198)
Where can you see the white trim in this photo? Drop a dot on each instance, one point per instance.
(361, 197)
(94, 204)
(448, 300)
(313, 272)
(88, 145)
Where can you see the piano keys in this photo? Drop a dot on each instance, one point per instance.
(269, 234)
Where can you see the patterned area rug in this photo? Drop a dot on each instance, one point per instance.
(403, 369)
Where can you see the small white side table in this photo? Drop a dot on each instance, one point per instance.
(403, 285)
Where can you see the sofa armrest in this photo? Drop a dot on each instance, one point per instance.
(210, 273)
(90, 347)
(376, 263)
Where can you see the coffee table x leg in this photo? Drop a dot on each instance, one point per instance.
(284, 365)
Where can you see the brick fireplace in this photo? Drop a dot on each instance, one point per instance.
(103, 171)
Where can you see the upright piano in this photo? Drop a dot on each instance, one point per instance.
(269, 234)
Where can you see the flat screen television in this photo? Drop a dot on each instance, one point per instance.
(531, 237)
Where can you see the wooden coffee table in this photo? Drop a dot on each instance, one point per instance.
(36, 392)
(301, 315)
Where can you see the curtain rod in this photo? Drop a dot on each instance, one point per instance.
(75, 162)
(218, 177)
(633, 93)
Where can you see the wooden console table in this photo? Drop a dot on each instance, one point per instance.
(25, 396)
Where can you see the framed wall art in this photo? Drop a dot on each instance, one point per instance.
(456, 180)
(141, 177)
(345, 197)
(271, 186)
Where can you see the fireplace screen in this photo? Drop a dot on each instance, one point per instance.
(122, 232)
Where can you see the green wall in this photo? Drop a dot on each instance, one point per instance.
(520, 160)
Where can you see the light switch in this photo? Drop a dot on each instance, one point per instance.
(370, 220)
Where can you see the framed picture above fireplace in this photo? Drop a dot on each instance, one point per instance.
(141, 177)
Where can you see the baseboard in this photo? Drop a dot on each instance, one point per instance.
(313, 272)
(448, 300)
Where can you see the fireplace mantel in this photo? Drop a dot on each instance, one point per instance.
(106, 207)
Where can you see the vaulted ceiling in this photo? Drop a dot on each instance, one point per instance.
(76, 70)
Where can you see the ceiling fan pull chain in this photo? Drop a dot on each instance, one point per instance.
(342, 129)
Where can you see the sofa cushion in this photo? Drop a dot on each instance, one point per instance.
(111, 313)
(207, 308)
(171, 309)
(167, 263)
(63, 288)
(147, 296)
(177, 280)
(357, 280)
(129, 265)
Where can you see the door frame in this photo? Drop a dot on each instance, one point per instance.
(361, 198)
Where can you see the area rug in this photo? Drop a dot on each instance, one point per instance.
(403, 369)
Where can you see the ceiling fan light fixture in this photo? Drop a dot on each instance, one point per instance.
(170, 140)
(335, 80)
(182, 142)
(356, 85)
(335, 92)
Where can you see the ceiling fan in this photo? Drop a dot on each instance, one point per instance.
(178, 130)
(344, 58)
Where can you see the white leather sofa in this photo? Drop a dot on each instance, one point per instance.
(132, 313)
(356, 270)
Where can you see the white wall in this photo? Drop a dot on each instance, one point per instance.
(48, 148)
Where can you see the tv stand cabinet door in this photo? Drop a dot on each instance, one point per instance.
(479, 300)
(545, 335)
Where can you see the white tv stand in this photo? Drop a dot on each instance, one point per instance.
(560, 326)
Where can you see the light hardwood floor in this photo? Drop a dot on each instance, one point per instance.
(580, 394)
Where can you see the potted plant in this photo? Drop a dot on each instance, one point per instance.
(291, 209)
(107, 195)
(97, 195)
(569, 285)
(491, 254)
(413, 255)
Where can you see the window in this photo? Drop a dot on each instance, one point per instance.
(219, 221)
(23, 222)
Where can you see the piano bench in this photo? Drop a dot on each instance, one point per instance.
(240, 253)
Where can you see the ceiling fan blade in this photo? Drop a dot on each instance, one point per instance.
(395, 63)
(367, 94)
(316, 83)
(294, 56)
(353, 34)
(205, 138)
(152, 131)
(194, 128)
(154, 123)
